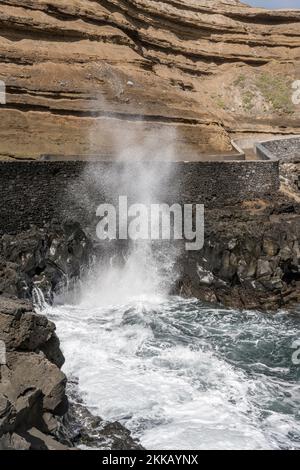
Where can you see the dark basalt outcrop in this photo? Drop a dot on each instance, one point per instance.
(84, 429)
(42, 258)
(32, 386)
(34, 409)
(251, 257)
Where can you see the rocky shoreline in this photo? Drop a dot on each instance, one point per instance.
(35, 412)
(251, 259)
(42, 258)
(82, 80)
(32, 389)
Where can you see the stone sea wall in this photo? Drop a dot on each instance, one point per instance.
(36, 192)
(285, 150)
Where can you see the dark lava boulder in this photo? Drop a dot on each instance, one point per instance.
(45, 259)
(32, 386)
(250, 259)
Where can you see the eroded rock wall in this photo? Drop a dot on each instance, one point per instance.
(76, 69)
(35, 413)
(36, 192)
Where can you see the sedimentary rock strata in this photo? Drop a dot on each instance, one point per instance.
(76, 69)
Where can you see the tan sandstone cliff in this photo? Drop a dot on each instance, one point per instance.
(211, 69)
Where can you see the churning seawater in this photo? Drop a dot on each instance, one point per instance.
(181, 374)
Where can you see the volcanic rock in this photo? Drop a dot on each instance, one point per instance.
(42, 258)
(32, 388)
(260, 270)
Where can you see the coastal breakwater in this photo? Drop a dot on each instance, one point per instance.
(34, 193)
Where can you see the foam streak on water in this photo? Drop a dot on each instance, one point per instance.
(183, 375)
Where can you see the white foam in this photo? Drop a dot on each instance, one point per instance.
(135, 365)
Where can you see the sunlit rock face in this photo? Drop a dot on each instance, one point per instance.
(210, 69)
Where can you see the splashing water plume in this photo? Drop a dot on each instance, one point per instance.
(143, 268)
(144, 275)
(178, 373)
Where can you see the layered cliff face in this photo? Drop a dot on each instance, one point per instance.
(76, 69)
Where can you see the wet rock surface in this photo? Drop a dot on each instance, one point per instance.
(88, 431)
(45, 259)
(34, 408)
(251, 257)
(190, 64)
(33, 398)
(32, 386)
